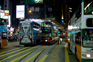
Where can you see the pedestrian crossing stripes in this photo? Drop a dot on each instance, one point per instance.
(35, 55)
(24, 55)
(10, 50)
(17, 53)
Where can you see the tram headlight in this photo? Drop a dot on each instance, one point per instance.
(46, 40)
(88, 55)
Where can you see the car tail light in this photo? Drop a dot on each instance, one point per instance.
(44, 40)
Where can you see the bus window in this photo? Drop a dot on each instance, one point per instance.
(78, 38)
(89, 22)
(87, 37)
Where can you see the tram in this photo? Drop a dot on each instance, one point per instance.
(29, 33)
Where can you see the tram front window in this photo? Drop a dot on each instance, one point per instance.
(46, 35)
(87, 37)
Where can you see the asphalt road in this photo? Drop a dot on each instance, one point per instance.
(39, 53)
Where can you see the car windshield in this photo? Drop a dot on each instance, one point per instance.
(87, 37)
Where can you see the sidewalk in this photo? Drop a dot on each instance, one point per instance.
(57, 53)
(54, 56)
(12, 44)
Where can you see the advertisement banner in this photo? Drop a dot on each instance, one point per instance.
(20, 11)
(4, 14)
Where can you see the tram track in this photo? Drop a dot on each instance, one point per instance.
(8, 57)
(28, 54)
(34, 56)
(41, 57)
(40, 53)
(37, 51)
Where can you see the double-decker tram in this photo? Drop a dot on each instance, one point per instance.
(46, 32)
(81, 35)
(46, 35)
(29, 33)
(3, 32)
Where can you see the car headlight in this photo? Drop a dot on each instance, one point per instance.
(88, 55)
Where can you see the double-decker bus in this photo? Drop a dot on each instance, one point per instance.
(68, 34)
(29, 33)
(3, 32)
(81, 36)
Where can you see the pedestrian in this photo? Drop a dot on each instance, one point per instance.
(60, 40)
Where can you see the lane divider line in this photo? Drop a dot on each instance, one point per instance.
(24, 55)
(18, 53)
(66, 55)
(9, 50)
(12, 52)
(43, 58)
(36, 55)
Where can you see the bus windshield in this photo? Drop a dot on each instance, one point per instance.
(87, 37)
(88, 7)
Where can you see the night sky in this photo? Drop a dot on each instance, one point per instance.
(14, 21)
(71, 3)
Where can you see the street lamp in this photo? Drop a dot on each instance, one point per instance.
(30, 11)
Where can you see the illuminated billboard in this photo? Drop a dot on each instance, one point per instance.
(20, 11)
(4, 14)
(35, 11)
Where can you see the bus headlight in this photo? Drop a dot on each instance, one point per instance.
(88, 55)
